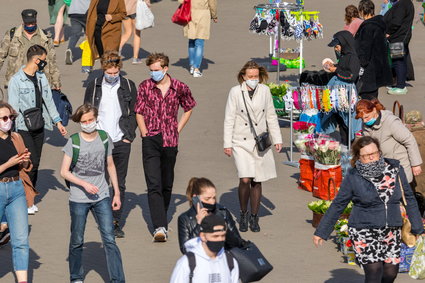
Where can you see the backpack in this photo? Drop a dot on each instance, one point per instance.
(192, 263)
(75, 138)
(63, 106)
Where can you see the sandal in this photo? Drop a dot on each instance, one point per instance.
(56, 43)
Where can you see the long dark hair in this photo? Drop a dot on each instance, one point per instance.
(359, 144)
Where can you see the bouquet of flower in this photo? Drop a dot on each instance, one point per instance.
(319, 206)
(278, 90)
(327, 151)
(301, 143)
(303, 127)
(341, 228)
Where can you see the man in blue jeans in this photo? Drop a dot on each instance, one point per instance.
(83, 166)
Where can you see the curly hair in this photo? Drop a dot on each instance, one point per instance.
(111, 59)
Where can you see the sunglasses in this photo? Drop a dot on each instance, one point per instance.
(6, 118)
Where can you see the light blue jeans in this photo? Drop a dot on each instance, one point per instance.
(196, 52)
(13, 204)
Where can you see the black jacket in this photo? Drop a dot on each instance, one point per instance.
(348, 66)
(399, 20)
(127, 95)
(372, 50)
(188, 228)
(369, 211)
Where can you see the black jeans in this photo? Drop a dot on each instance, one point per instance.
(121, 156)
(34, 142)
(400, 70)
(158, 165)
(78, 26)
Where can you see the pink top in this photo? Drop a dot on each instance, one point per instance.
(130, 6)
(353, 26)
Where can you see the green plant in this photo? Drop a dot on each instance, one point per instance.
(319, 206)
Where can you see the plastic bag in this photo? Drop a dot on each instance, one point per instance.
(144, 16)
(417, 267)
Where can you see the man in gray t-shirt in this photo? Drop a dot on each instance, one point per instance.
(91, 168)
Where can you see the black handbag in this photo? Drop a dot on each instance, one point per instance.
(33, 117)
(262, 141)
(253, 266)
(397, 49)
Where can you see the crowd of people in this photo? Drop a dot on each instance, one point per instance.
(385, 160)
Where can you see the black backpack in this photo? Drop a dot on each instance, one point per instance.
(192, 263)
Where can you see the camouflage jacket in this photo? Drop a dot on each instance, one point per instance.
(13, 49)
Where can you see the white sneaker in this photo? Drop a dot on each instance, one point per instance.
(192, 69)
(68, 57)
(35, 208)
(31, 210)
(160, 235)
(197, 74)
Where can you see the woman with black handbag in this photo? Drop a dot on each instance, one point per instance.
(250, 128)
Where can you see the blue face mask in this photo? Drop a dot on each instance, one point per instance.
(30, 29)
(112, 80)
(157, 75)
(370, 122)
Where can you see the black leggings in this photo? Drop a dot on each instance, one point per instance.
(380, 272)
(98, 41)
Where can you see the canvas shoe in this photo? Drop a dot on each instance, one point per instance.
(68, 57)
(137, 61)
(35, 208)
(397, 91)
(160, 235)
(31, 210)
(197, 74)
(191, 70)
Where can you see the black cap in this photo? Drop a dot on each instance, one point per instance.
(334, 42)
(210, 221)
(29, 16)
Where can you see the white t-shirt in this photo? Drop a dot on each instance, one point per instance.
(110, 111)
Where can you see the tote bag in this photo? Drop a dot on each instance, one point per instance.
(182, 15)
(144, 16)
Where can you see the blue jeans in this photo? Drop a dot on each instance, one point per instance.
(196, 52)
(13, 204)
(102, 212)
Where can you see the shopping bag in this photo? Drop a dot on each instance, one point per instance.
(327, 180)
(144, 16)
(86, 57)
(417, 266)
(306, 174)
(253, 266)
(406, 255)
(182, 16)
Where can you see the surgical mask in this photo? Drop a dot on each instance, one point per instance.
(215, 247)
(370, 122)
(89, 128)
(252, 83)
(210, 207)
(30, 29)
(6, 126)
(41, 64)
(112, 80)
(157, 75)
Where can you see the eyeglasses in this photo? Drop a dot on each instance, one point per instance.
(370, 155)
(6, 118)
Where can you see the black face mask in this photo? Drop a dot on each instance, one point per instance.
(41, 64)
(210, 207)
(215, 247)
(338, 54)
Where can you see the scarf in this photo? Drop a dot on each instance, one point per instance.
(371, 169)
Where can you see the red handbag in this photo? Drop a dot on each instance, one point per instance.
(182, 14)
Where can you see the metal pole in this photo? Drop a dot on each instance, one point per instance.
(349, 118)
(279, 35)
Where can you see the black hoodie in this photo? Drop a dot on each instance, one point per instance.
(348, 66)
(372, 50)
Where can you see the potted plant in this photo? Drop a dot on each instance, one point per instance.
(318, 208)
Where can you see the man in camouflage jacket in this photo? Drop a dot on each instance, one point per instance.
(16, 42)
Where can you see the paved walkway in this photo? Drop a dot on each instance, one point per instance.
(286, 232)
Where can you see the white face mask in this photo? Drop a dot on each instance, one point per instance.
(89, 128)
(252, 83)
(5, 126)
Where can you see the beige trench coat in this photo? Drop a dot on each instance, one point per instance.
(239, 136)
(202, 11)
(396, 141)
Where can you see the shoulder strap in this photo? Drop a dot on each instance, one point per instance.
(230, 262)
(12, 33)
(75, 139)
(192, 264)
(403, 198)
(128, 82)
(249, 116)
(104, 137)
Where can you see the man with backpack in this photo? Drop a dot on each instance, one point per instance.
(88, 155)
(115, 97)
(207, 254)
(16, 42)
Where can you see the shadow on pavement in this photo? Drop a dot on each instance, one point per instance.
(345, 275)
(231, 201)
(47, 181)
(55, 138)
(127, 53)
(133, 200)
(184, 62)
(6, 263)
(94, 259)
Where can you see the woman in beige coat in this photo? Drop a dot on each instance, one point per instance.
(397, 142)
(198, 30)
(253, 167)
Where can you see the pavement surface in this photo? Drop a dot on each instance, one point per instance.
(285, 238)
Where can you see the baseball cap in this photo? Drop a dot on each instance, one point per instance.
(210, 221)
(29, 16)
(334, 42)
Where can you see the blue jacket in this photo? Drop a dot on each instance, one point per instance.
(369, 211)
(21, 94)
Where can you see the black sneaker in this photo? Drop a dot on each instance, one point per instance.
(253, 223)
(117, 231)
(4, 237)
(243, 222)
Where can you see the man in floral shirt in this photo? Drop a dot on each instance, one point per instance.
(158, 100)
